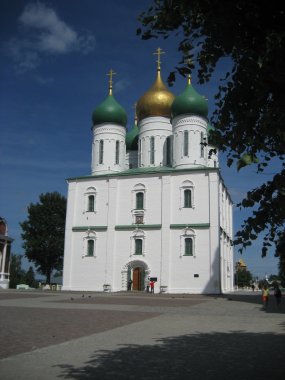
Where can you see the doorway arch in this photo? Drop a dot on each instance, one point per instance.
(136, 270)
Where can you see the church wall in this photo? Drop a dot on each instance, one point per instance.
(198, 184)
(127, 189)
(124, 254)
(165, 226)
(87, 273)
(100, 190)
(193, 274)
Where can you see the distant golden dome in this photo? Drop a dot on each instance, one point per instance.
(156, 101)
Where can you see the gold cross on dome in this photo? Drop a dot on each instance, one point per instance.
(158, 52)
(189, 79)
(135, 108)
(110, 74)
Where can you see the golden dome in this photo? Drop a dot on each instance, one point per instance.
(156, 101)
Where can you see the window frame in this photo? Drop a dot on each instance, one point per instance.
(168, 155)
(187, 198)
(90, 191)
(187, 185)
(117, 153)
(101, 152)
(90, 246)
(187, 233)
(90, 236)
(138, 252)
(138, 234)
(186, 247)
(91, 203)
(139, 201)
(186, 143)
(152, 150)
(202, 142)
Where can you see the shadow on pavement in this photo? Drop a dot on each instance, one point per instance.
(234, 356)
(256, 299)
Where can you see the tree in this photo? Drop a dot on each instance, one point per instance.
(30, 278)
(43, 233)
(17, 274)
(280, 252)
(250, 103)
(243, 278)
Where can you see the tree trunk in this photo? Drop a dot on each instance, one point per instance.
(48, 275)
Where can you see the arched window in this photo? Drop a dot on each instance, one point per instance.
(89, 244)
(186, 143)
(187, 243)
(188, 247)
(138, 239)
(90, 247)
(187, 198)
(91, 203)
(138, 246)
(101, 151)
(139, 201)
(90, 199)
(117, 160)
(152, 147)
(187, 195)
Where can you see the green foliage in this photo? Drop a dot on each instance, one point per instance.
(17, 274)
(250, 105)
(43, 233)
(243, 278)
(30, 278)
(280, 252)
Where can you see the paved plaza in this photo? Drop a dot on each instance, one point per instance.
(68, 335)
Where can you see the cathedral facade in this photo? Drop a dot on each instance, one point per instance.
(155, 205)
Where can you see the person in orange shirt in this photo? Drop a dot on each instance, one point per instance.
(265, 296)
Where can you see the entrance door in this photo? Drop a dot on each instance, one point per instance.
(137, 279)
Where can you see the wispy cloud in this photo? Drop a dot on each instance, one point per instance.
(42, 33)
(43, 81)
(121, 85)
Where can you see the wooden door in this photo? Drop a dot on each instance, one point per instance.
(137, 279)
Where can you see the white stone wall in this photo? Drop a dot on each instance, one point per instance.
(109, 133)
(197, 133)
(159, 128)
(165, 227)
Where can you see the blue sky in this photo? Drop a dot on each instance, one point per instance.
(55, 56)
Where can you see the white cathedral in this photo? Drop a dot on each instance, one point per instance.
(155, 205)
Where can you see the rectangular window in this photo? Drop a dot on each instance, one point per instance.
(152, 147)
(139, 201)
(140, 153)
(90, 248)
(186, 143)
(101, 151)
(138, 247)
(117, 152)
(187, 198)
(188, 247)
(168, 151)
(91, 203)
(202, 144)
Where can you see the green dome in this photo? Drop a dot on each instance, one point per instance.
(132, 138)
(109, 111)
(189, 102)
